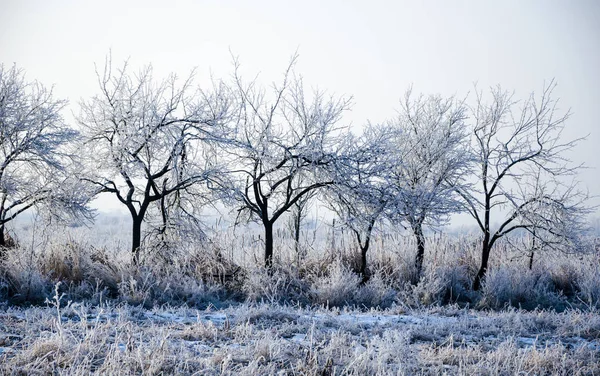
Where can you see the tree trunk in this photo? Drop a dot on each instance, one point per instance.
(2, 243)
(418, 231)
(136, 240)
(363, 259)
(531, 259)
(485, 256)
(268, 244)
(531, 254)
(486, 245)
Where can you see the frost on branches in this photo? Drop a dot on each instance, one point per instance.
(523, 175)
(430, 164)
(149, 143)
(280, 149)
(36, 164)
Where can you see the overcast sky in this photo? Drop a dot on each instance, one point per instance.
(371, 50)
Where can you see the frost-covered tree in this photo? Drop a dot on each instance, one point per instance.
(146, 142)
(361, 193)
(557, 220)
(521, 172)
(431, 161)
(34, 160)
(280, 149)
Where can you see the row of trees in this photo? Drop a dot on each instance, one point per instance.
(165, 149)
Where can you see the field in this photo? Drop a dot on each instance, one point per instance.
(72, 303)
(272, 339)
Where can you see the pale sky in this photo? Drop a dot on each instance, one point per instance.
(371, 50)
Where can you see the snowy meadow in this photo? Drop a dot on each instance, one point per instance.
(75, 304)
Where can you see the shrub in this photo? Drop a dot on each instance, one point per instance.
(337, 287)
(277, 285)
(588, 284)
(446, 284)
(518, 287)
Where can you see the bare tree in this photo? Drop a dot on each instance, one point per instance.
(146, 141)
(281, 148)
(361, 193)
(430, 164)
(34, 159)
(521, 171)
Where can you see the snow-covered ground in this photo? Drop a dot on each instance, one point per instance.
(271, 339)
